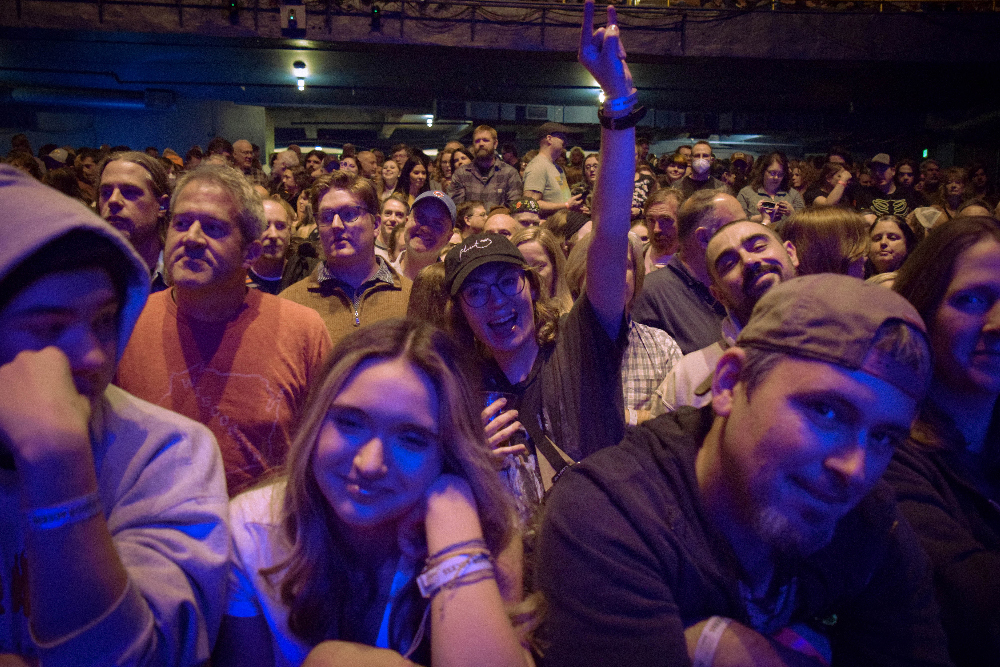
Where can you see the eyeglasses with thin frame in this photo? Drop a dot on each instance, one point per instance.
(347, 215)
(477, 294)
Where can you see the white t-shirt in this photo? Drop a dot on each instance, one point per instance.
(258, 544)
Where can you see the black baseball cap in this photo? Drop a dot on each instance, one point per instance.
(475, 251)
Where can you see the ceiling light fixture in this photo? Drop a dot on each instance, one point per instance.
(301, 72)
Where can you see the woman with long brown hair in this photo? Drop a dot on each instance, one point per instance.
(390, 528)
(946, 476)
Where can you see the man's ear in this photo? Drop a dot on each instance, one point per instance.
(251, 254)
(727, 376)
(703, 235)
(378, 221)
(164, 203)
(792, 253)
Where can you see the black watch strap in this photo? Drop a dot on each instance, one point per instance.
(623, 123)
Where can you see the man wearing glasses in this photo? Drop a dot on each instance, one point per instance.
(353, 287)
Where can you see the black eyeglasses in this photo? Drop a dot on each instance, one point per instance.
(476, 294)
(347, 215)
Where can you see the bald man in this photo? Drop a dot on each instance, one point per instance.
(501, 223)
(243, 160)
(677, 298)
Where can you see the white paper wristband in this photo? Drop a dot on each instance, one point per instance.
(450, 569)
(708, 641)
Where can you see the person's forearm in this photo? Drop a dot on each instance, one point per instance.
(78, 556)
(469, 624)
(608, 256)
(739, 646)
(548, 208)
(833, 198)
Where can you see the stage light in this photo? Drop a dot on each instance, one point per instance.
(302, 84)
(925, 152)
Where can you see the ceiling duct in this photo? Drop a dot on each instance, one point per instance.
(94, 98)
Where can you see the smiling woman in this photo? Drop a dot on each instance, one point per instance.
(329, 556)
(946, 477)
(413, 179)
(555, 372)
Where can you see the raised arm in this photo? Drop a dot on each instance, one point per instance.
(603, 55)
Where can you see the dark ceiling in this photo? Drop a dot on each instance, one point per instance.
(804, 101)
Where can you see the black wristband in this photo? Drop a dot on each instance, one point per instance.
(623, 123)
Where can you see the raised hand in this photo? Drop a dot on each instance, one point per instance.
(602, 53)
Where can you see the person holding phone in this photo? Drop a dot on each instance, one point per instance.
(769, 198)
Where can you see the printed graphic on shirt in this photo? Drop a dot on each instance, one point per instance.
(251, 440)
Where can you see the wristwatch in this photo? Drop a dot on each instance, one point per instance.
(622, 122)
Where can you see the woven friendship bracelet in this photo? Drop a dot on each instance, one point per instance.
(476, 542)
(73, 511)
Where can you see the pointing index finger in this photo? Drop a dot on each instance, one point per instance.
(587, 31)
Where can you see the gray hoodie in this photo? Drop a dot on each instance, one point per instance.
(34, 215)
(160, 479)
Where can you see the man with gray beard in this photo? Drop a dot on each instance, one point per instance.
(756, 530)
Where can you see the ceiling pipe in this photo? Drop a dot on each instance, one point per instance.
(94, 98)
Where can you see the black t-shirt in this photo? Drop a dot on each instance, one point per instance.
(900, 202)
(809, 196)
(573, 393)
